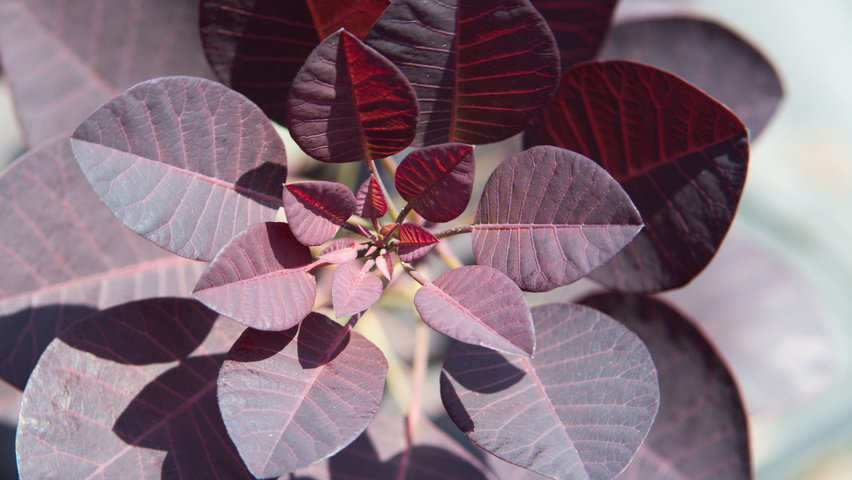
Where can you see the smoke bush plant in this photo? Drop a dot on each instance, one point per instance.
(629, 174)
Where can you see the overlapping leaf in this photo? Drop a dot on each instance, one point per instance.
(414, 242)
(580, 26)
(478, 305)
(130, 392)
(680, 155)
(437, 181)
(317, 209)
(354, 289)
(292, 398)
(481, 70)
(369, 200)
(260, 279)
(341, 250)
(580, 408)
(64, 256)
(348, 103)
(184, 162)
(548, 216)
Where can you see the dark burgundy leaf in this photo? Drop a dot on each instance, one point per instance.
(388, 229)
(369, 200)
(348, 103)
(709, 56)
(260, 279)
(354, 289)
(130, 392)
(341, 250)
(700, 431)
(185, 162)
(579, 409)
(437, 180)
(579, 26)
(317, 209)
(292, 398)
(549, 216)
(414, 242)
(478, 305)
(63, 60)
(679, 154)
(482, 71)
(64, 256)
(257, 46)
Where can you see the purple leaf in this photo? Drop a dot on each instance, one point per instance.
(63, 60)
(130, 392)
(369, 200)
(290, 399)
(185, 162)
(549, 216)
(579, 26)
(679, 154)
(385, 265)
(437, 180)
(579, 409)
(707, 55)
(482, 71)
(66, 256)
(478, 305)
(354, 289)
(342, 250)
(317, 209)
(414, 242)
(260, 279)
(700, 431)
(348, 103)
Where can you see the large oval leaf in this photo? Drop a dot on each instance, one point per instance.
(548, 216)
(580, 26)
(481, 70)
(130, 392)
(354, 289)
(316, 210)
(437, 181)
(259, 279)
(348, 103)
(478, 305)
(292, 398)
(579, 409)
(65, 256)
(185, 162)
(680, 155)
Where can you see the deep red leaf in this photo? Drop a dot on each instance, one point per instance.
(348, 103)
(356, 16)
(580, 408)
(130, 392)
(259, 279)
(185, 162)
(437, 181)
(64, 256)
(482, 71)
(679, 154)
(369, 200)
(341, 250)
(548, 216)
(63, 60)
(414, 242)
(317, 209)
(354, 289)
(580, 26)
(292, 398)
(709, 56)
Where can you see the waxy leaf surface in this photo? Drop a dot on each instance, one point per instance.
(369, 200)
(579, 26)
(63, 60)
(316, 210)
(354, 289)
(348, 103)
(580, 408)
(292, 398)
(414, 242)
(130, 392)
(482, 70)
(65, 256)
(707, 55)
(258, 46)
(548, 216)
(700, 431)
(437, 181)
(259, 279)
(341, 250)
(680, 155)
(185, 162)
(478, 305)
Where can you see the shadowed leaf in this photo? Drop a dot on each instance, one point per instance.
(437, 181)
(369, 200)
(414, 242)
(580, 26)
(317, 209)
(341, 250)
(354, 289)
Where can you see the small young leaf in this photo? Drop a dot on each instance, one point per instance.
(316, 210)
(414, 242)
(385, 265)
(257, 280)
(437, 180)
(369, 200)
(341, 250)
(580, 26)
(478, 305)
(354, 289)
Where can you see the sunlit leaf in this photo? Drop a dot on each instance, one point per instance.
(369, 200)
(341, 250)
(354, 289)
(414, 242)
(317, 209)
(437, 181)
